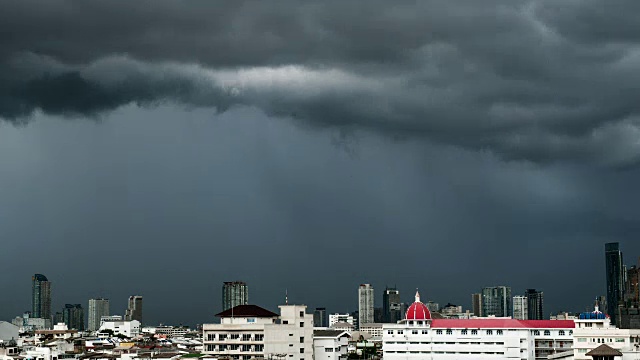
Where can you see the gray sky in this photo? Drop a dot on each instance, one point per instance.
(159, 148)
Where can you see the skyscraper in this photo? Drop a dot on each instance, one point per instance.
(496, 301)
(365, 304)
(520, 307)
(97, 309)
(613, 260)
(476, 304)
(320, 317)
(234, 293)
(134, 308)
(535, 304)
(40, 297)
(73, 316)
(391, 305)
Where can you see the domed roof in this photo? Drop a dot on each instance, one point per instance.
(418, 310)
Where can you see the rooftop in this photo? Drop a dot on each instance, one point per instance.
(247, 311)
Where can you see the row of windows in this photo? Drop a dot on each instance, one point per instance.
(601, 340)
(245, 337)
(474, 332)
(245, 348)
(445, 352)
(443, 343)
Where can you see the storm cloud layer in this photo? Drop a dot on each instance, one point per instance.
(534, 80)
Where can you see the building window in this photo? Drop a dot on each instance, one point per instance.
(536, 332)
(234, 347)
(561, 332)
(301, 350)
(425, 332)
(211, 347)
(438, 332)
(259, 347)
(547, 333)
(258, 337)
(390, 332)
(285, 322)
(449, 332)
(222, 347)
(246, 347)
(235, 336)
(301, 323)
(474, 332)
(328, 349)
(400, 332)
(463, 332)
(301, 339)
(415, 332)
(499, 332)
(570, 332)
(301, 313)
(489, 332)
(246, 337)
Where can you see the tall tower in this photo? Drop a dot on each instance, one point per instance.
(234, 293)
(320, 317)
(613, 260)
(40, 297)
(365, 304)
(476, 304)
(496, 301)
(97, 309)
(535, 304)
(520, 307)
(391, 305)
(134, 309)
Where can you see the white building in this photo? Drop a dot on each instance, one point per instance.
(520, 308)
(107, 318)
(129, 329)
(342, 326)
(250, 332)
(374, 330)
(336, 318)
(96, 310)
(8, 332)
(594, 329)
(419, 336)
(365, 304)
(330, 344)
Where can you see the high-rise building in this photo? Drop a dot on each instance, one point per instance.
(535, 304)
(365, 304)
(629, 309)
(40, 297)
(97, 309)
(234, 293)
(320, 317)
(476, 304)
(134, 309)
(520, 307)
(73, 316)
(432, 306)
(496, 301)
(391, 306)
(613, 259)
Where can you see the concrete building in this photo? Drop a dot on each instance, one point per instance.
(234, 293)
(365, 304)
(419, 336)
(614, 276)
(97, 309)
(320, 318)
(595, 329)
(373, 330)
(128, 328)
(496, 301)
(336, 318)
(520, 311)
(433, 306)
(629, 309)
(330, 344)
(391, 304)
(40, 297)
(8, 332)
(73, 316)
(251, 332)
(343, 326)
(535, 304)
(476, 304)
(134, 308)
(108, 318)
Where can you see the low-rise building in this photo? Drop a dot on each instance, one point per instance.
(374, 330)
(126, 328)
(594, 329)
(338, 318)
(330, 344)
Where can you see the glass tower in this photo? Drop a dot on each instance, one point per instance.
(613, 260)
(40, 297)
(234, 293)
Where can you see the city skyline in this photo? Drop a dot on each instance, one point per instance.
(440, 145)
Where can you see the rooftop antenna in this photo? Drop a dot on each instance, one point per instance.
(286, 297)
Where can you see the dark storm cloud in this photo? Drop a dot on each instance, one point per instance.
(525, 79)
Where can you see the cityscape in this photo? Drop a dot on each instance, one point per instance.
(495, 324)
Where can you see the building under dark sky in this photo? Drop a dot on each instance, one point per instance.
(613, 259)
(234, 293)
(535, 304)
(40, 297)
(391, 305)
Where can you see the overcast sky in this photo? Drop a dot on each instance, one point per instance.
(161, 148)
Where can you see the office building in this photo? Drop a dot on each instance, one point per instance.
(535, 304)
(134, 309)
(476, 304)
(520, 307)
(234, 293)
(433, 306)
(320, 317)
(251, 332)
(341, 318)
(365, 304)
(496, 301)
(629, 309)
(73, 316)
(97, 309)
(391, 305)
(613, 260)
(419, 336)
(40, 297)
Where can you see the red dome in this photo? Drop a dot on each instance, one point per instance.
(418, 310)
